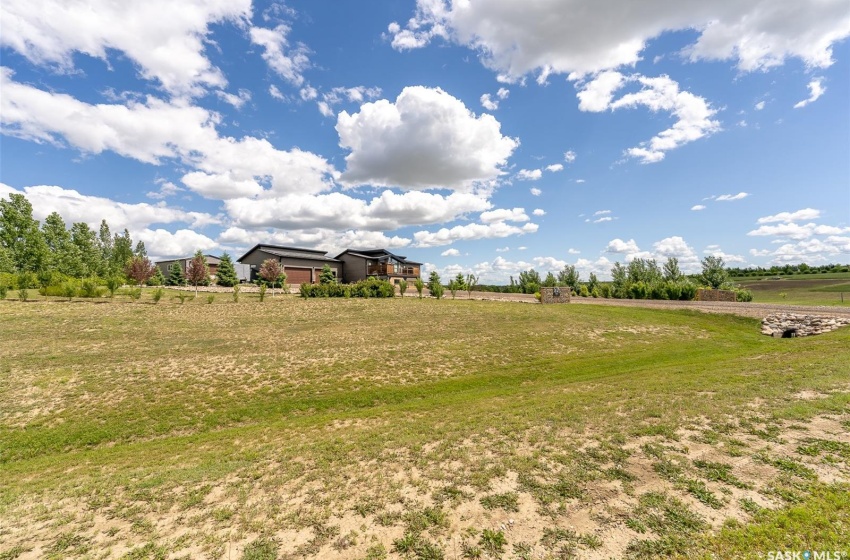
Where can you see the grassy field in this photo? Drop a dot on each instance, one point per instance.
(810, 289)
(415, 429)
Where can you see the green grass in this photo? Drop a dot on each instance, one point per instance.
(807, 289)
(276, 420)
(821, 523)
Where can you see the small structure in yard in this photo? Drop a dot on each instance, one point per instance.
(716, 295)
(788, 325)
(558, 294)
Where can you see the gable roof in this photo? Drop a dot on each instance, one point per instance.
(289, 252)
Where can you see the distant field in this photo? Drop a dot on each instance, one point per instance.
(809, 289)
(415, 429)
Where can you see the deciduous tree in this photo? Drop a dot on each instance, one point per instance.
(197, 272)
(20, 234)
(714, 272)
(271, 271)
(140, 270)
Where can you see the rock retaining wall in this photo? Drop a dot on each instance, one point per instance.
(548, 295)
(716, 295)
(788, 325)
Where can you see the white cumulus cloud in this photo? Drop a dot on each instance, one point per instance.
(576, 37)
(426, 139)
(799, 215)
(165, 39)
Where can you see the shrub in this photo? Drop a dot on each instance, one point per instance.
(263, 289)
(371, 287)
(689, 291)
(437, 290)
(89, 288)
(605, 290)
(419, 285)
(658, 291)
(69, 290)
(112, 284)
(402, 287)
(236, 290)
(583, 292)
(639, 290)
(595, 292)
(134, 293)
(742, 294)
(181, 297)
(538, 296)
(157, 295)
(4, 289)
(673, 289)
(210, 298)
(23, 294)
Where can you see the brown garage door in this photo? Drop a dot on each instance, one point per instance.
(298, 275)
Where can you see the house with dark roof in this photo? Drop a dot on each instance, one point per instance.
(301, 266)
(360, 264)
(183, 263)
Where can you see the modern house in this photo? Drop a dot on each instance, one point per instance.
(360, 264)
(212, 264)
(302, 266)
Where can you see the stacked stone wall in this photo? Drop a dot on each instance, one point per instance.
(789, 325)
(716, 295)
(554, 295)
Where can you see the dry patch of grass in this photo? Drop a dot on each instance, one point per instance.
(422, 429)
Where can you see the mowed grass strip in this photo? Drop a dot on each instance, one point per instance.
(498, 352)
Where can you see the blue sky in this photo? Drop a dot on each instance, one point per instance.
(485, 137)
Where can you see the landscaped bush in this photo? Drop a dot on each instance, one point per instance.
(90, 288)
(371, 287)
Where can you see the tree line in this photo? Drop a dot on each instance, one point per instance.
(56, 258)
(638, 279)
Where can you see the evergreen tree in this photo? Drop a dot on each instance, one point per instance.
(226, 275)
(327, 275)
(140, 250)
(434, 285)
(85, 240)
(175, 276)
(158, 279)
(20, 234)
